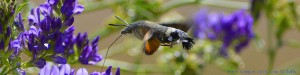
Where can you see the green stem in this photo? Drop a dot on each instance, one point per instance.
(14, 68)
(272, 54)
(27, 64)
(270, 48)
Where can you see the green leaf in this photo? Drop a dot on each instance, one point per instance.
(20, 7)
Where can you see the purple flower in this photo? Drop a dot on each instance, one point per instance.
(82, 71)
(34, 17)
(15, 45)
(53, 2)
(90, 54)
(71, 7)
(65, 69)
(19, 22)
(46, 9)
(50, 37)
(59, 60)
(81, 40)
(40, 63)
(235, 27)
(22, 72)
(107, 72)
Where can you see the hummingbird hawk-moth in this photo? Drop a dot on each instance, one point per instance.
(155, 35)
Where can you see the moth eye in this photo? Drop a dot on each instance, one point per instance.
(123, 32)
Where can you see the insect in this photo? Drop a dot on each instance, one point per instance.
(155, 35)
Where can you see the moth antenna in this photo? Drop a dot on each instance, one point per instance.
(121, 20)
(108, 51)
(117, 24)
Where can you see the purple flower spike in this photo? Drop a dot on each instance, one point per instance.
(233, 30)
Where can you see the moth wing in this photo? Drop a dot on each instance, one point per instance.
(151, 44)
(184, 26)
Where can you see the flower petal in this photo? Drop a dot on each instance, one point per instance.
(82, 71)
(54, 70)
(78, 9)
(108, 70)
(59, 60)
(118, 71)
(40, 63)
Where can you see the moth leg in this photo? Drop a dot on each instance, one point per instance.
(167, 45)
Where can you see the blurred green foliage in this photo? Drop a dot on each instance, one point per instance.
(281, 16)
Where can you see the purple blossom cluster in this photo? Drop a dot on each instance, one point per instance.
(65, 69)
(234, 30)
(50, 37)
(7, 22)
